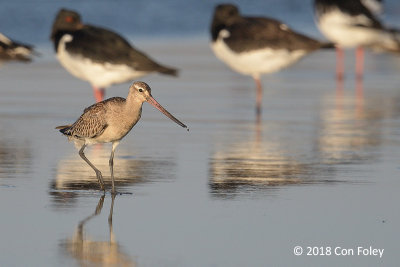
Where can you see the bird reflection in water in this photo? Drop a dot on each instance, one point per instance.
(15, 158)
(359, 89)
(254, 166)
(349, 127)
(90, 252)
(72, 176)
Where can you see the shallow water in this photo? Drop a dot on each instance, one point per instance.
(319, 169)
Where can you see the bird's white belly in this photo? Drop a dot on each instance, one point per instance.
(339, 28)
(98, 74)
(256, 62)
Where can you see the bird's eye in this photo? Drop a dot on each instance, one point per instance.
(69, 19)
(141, 90)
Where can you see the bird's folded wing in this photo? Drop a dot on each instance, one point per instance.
(91, 123)
(260, 33)
(102, 45)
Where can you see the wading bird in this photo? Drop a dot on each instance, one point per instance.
(109, 121)
(354, 23)
(257, 45)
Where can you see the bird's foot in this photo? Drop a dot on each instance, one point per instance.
(101, 181)
(258, 111)
(116, 193)
(340, 77)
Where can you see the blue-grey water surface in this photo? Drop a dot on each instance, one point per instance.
(320, 170)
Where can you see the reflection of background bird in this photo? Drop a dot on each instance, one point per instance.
(15, 158)
(255, 45)
(254, 165)
(12, 50)
(98, 55)
(348, 129)
(16, 152)
(354, 23)
(90, 252)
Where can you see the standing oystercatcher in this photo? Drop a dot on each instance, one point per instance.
(256, 45)
(12, 50)
(354, 23)
(98, 55)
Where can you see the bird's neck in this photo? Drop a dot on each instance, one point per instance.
(133, 107)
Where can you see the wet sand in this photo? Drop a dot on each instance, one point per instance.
(319, 170)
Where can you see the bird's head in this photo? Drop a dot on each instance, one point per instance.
(226, 14)
(66, 20)
(141, 91)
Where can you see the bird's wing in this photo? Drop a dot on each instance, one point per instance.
(11, 49)
(362, 13)
(258, 33)
(91, 123)
(359, 13)
(99, 44)
(375, 6)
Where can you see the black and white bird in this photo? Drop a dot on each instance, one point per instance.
(98, 55)
(355, 23)
(12, 50)
(256, 45)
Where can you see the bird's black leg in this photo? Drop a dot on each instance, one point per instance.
(111, 212)
(98, 173)
(111, 163)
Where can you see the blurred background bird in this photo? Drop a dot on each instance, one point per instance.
(355, 24)
(257, 45)
(98, 55)
(13, 50)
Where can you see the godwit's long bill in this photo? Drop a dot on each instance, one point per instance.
(155, 104)
(109, 121)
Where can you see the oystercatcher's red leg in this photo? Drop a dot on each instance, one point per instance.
(359, 62)
(339, 63)
(98, 93)
(259, 94)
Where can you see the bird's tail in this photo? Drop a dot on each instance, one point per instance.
(63, 129)
(22, 52)
(168, 71)
(389, 42)
(327, 45)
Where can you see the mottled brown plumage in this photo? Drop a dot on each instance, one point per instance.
(109, 121)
